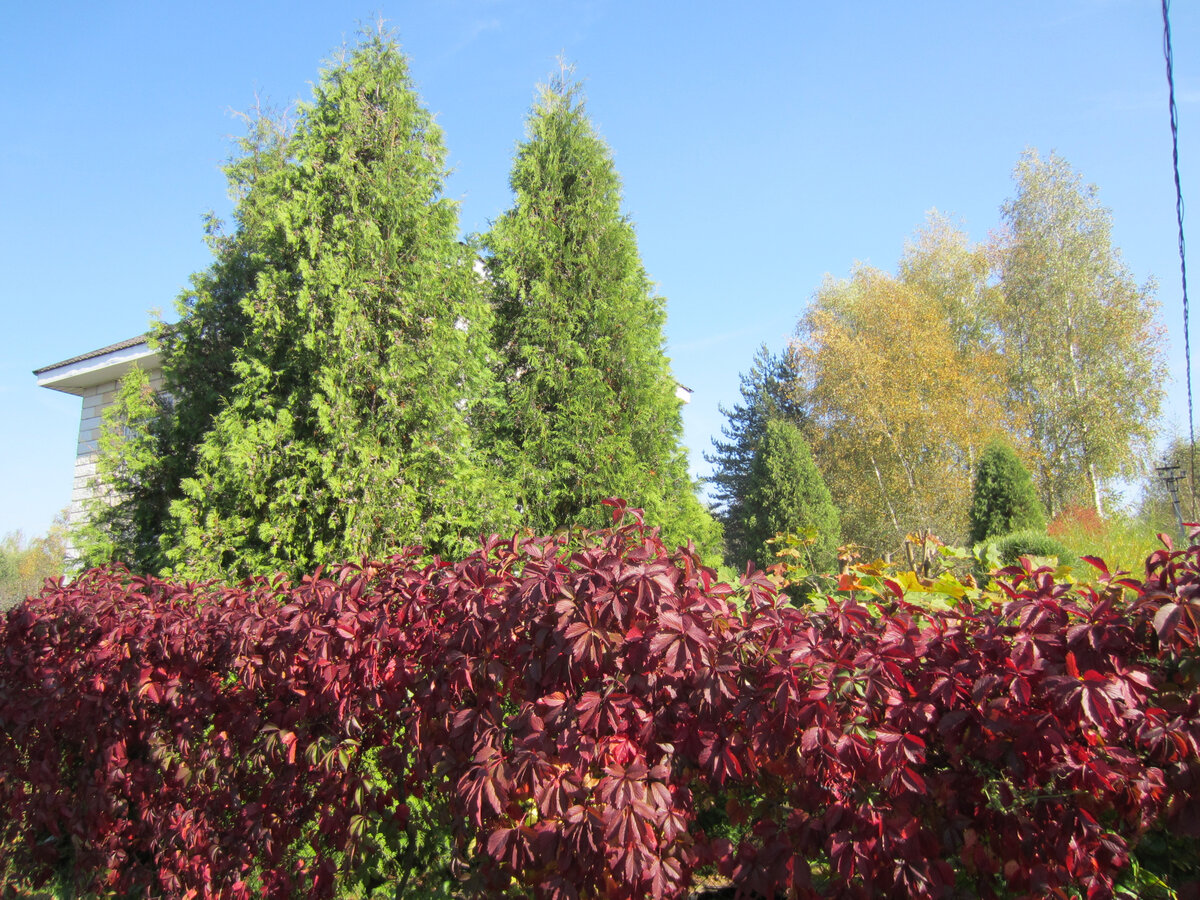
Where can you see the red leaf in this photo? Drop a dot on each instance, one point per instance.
(1019, 689)
(912, 780)
(1166, 620)
(288, 738)
(913, 747)
(1072, 667)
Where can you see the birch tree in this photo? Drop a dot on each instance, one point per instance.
(1085, 364)
(899, 392)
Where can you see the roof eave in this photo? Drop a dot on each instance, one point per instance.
(76, 376)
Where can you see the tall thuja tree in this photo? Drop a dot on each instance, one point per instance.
(362, 360)
(589, 405)
(149, 437)
(765, 397)
(1084, 353)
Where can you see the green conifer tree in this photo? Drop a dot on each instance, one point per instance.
(149, 438)
(764, 397)
(124, 515)
(785, 494)
(361, 348)
(1004, 498)
(589, 405)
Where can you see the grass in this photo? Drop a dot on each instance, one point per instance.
(1122, 540)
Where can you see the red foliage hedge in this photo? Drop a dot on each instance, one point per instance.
(602, 721)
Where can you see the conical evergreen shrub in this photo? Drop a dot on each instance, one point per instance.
(786, 495)
(1004, 499)
(362, 359)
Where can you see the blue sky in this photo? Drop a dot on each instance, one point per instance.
(761, 146)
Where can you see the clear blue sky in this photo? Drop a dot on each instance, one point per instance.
(762, 145)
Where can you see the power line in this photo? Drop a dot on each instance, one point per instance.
(1187, 346)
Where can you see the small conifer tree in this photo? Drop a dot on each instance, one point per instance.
(765, 396)
(1004, 499)
(786, 494)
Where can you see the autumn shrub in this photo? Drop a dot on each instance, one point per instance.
(1077, 521)
(26, 563)
(594, 716)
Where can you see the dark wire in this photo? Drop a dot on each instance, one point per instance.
(1187, 346)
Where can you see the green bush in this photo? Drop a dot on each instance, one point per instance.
(786, 494)
(1030, 542)
(1121, 539)
(1004, 499)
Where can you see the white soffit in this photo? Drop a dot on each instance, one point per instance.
(76, 377)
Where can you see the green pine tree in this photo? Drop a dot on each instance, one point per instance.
(1004, 498)
(785, 494)
(360, 358)
(589, 405)
(764, 397)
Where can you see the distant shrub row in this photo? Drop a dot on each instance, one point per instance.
(594, 719)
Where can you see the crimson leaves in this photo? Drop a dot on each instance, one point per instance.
(584, 712)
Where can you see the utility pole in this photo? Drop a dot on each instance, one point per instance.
(1171, 477)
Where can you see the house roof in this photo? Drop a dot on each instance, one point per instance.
(109, 363)
(92, 354)
(77, 374)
